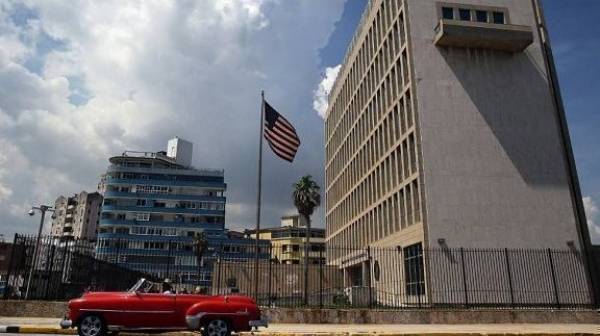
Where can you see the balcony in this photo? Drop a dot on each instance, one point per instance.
(203, 184)
(117, 208)
(181, 225)
(170, 171)
(119, 194)
(468, 34)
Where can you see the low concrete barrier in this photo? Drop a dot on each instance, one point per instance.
(21, 308)
(366, 316)
(15, 308)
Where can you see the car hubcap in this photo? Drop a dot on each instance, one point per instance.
(217, 328)
(91, 326)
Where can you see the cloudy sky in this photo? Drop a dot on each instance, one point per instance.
(83, 80)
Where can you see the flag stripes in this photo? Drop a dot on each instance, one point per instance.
(280, 134)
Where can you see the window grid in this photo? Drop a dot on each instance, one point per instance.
(371, 167)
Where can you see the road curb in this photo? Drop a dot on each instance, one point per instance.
(59, 331)
(36, 330)
(338, 333)
(30, 329)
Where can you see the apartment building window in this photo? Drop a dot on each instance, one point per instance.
(448, 13)
(481, 16)
(475, 14)
(498, 17)
(413, 269)
(464, 14)
(143, 202)
(142, 216)
(154, 246)
(122, 230)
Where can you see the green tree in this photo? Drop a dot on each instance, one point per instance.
(200, 247)
(306, 198)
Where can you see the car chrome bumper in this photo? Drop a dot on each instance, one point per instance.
(193, 321)
(259, 323)
(66, 324)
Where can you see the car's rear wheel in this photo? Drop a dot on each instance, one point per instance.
(91, 325)
(216, 327)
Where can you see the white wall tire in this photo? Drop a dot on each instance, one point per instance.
(216, 327)
(91, 325)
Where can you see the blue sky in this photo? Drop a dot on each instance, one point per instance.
(575, 36)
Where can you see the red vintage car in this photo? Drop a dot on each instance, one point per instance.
(144, 309)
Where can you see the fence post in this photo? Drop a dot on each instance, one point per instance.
(10, 266)
(49, 270)
(269, 294)
(369, 277)
(219, 260)
(168, 275)
(592, 274)
(321, 276)
(63, 274)
(555, 287)
(118, 250)
(509, 273)
(464, 274)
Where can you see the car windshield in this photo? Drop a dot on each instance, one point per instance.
(145, 286)
(141, 285)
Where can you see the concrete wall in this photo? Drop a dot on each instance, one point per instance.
(364, 316)
(14, 308)
(494, 167)
(11, 308)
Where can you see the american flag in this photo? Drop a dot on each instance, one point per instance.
(280, 134)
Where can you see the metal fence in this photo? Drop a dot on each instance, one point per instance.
(375, 277)
(61, 270)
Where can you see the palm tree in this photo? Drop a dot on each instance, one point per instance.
(200, 245)
(306, 198)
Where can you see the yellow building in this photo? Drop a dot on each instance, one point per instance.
(288, 241)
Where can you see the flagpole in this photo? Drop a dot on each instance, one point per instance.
(258, 194)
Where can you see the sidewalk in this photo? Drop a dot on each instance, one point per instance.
(50, 326)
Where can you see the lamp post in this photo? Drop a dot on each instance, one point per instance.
(42, 209)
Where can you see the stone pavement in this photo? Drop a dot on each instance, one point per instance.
(50, 326)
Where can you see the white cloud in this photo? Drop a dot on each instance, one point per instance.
(592, 211)
(150, 70)
(321, 94)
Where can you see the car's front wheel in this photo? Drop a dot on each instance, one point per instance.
(216, 327)
(91, 325)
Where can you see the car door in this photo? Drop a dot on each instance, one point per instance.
(150, 310)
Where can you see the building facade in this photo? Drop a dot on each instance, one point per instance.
(445, 128)
(77, 216)
(289, 240)
(156, 206)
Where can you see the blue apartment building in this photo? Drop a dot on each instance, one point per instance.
(155, 203)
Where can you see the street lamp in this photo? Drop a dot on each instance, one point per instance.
(42, 209)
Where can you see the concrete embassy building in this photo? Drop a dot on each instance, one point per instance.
(445, 128)
(77, 216)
